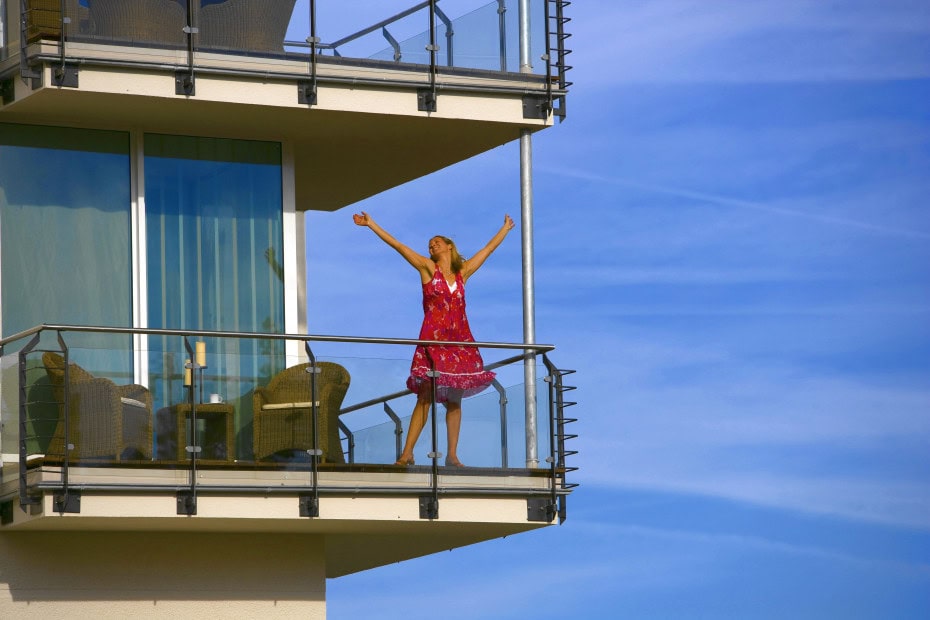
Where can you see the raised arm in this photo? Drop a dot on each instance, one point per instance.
(421, 263)
(474, 263)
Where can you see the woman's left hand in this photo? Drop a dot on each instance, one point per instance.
(508, 223)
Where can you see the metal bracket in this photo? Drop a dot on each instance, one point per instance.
(429, 507)
(187, 503)
(426, 100)
(309, 506)
(184, 83)
(306, 95)
(6, 513)
(540, 510)
(66, 76)
(7, 91)
(536, 107)
(69, 501)
(36, 78)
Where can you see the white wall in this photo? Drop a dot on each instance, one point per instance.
(160, 575)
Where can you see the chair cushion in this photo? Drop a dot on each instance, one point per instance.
(272, 406)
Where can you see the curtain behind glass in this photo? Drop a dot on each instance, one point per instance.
(65, 252)
(214, 250)
(64, 204)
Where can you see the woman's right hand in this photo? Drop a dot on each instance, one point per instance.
(362, 219)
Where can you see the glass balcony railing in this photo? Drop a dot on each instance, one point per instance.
(461, 34)
(167, 400)
(482, 36)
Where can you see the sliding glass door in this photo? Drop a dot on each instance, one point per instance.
(214, 262)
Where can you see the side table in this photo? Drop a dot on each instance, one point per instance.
(218, 441)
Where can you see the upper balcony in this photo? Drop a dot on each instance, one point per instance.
(164, 430)
(406, 95)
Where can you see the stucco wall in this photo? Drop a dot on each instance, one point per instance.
(159, 575)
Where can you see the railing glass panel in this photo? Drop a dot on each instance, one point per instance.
(9, 416)
(486, 37)
(78, 403)
(251, 399)
(493, 431)
(469, 34)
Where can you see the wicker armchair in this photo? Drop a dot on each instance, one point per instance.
(43, 19)
(246, 25)
(106, 420)
(283, 420)
(159, 22)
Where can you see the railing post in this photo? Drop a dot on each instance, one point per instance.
(450, 32)
(310, 506)
(187, 500)
(503, 410)
(26, 73)
(502, 27)
(429, 506)
(184, 78)
(24, 499)
(398, 430)
(307, 91)
(426, 98)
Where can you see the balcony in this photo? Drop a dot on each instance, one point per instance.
(406, 95)
(160, 430)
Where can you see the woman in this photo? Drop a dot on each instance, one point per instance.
(461, 370)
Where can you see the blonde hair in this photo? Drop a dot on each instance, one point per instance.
(458, 261)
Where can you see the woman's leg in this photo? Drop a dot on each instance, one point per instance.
(417, 422)
(453, 425)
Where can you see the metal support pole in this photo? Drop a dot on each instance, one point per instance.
(526, 228)
(526, 65)
(529, 293)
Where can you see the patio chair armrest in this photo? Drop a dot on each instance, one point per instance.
(136, 392)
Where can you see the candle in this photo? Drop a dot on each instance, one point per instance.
(202, 354)
(187, 372)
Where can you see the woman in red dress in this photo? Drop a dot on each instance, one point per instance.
(460, 369)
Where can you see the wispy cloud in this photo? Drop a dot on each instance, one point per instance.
(734, 41)
(712, 422)
(737, 203)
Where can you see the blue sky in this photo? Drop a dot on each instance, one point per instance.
(733, 250)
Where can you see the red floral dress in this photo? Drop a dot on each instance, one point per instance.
(461, 369)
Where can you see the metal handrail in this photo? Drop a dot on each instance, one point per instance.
(538, 348)
(370, 29)
(401, 393)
